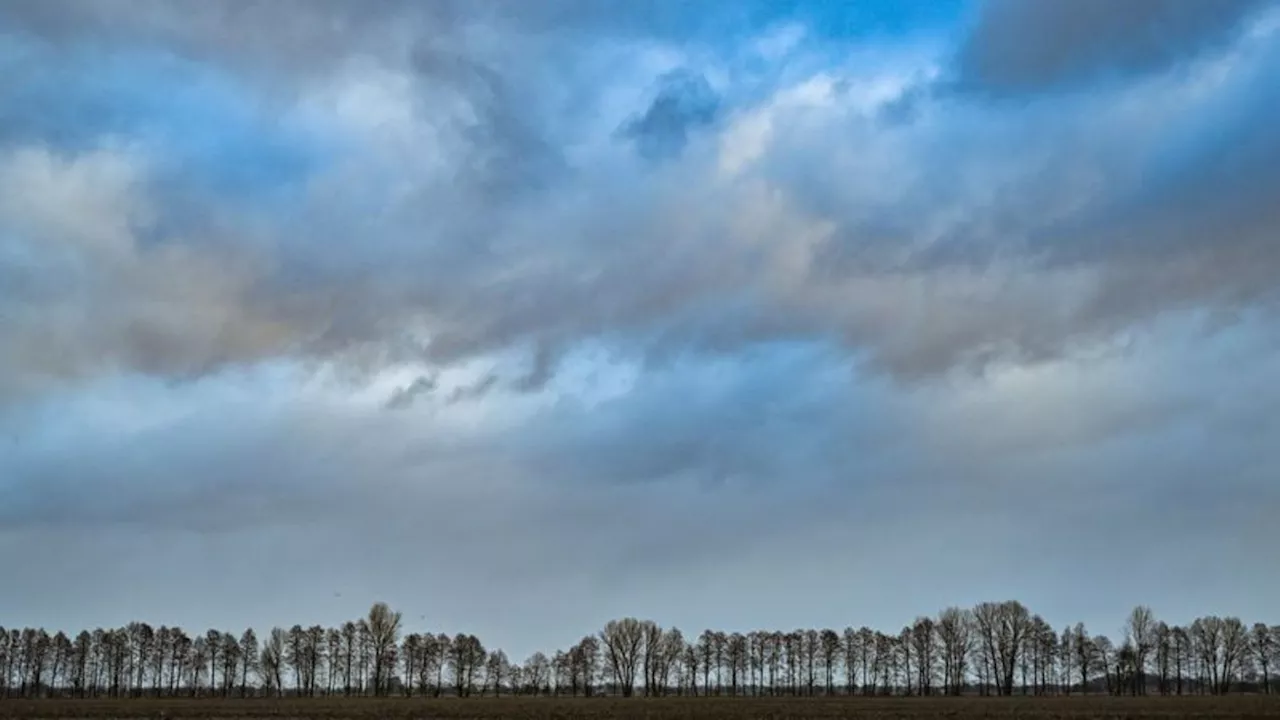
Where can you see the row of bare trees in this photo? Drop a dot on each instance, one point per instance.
(995, 648)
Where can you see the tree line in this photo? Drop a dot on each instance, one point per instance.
(994, 648)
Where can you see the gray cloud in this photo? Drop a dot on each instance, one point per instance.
(684, 102)
(1035, 46)
(697, 474)
(855, 319)
(464, 219)
(475, 390)
(404, 397)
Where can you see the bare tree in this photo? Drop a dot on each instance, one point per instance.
(586, 656)
(559, 671)
(849, 644)
(1140, 631)
(923, 642)
(272, 660)
(248, 659)
(1262, 643)
(983, 648)
(536, 670)
(622, 641)
(1235, 650)
(1181, 656)
(1163, 657)
(706, 658)
(363, 653)
(496, 668)
(1082, 645)
(1101, 659)
(830, 654)
(230, 654)
(651, 650)
(736, 659)
(466, 658)
(953, 628)
(1001, 629)
(384, 633)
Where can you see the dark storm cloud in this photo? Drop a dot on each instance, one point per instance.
(1038, 45)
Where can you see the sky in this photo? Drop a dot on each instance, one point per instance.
(523, 316)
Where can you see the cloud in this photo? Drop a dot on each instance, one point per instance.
(695, 473)
(1019, 47)
(362, 282)
(685, 102)
(454, 211)
(89, 295)
(405, 396)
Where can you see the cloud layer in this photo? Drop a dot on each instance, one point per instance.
(647, 295)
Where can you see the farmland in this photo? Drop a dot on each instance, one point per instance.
(1030, 708)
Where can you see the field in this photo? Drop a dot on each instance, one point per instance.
(1059, 708)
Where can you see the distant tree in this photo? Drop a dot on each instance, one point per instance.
(622, 641)
(410, 654)
(272, 660)
(1182, 660)
(924, 642)
(444, 651)
(1275, 647)
(559, 672)
(719, 654)
(1163, 657)
(983, 649)
(350, 644)
(588, 650)
(230, 656)
(849, 645)
(384, 632)
(1102, 660)
(318, 660)
(1235, 651)
(334, 652)
(496, 667)
(736, 659)
(1126, 668)
(536, 669)
(954, 633)
(516, 678)
(1140, 632)
(248, 659)
(1262, 645)
(198, 662)
(296, 656)
(706, 658)
(672, 650)
(904, 660)
(692, 663)
(1001, 629)
(82, 650)
(1082, 644)
(363, 655)
(467, 656)
(651, 650)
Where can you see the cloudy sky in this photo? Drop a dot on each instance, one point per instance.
(526, 315)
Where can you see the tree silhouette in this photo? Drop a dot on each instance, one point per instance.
(983, 650)
(384, 632)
